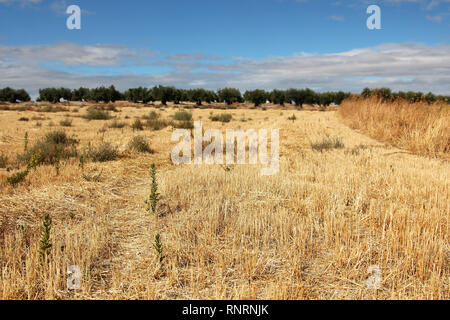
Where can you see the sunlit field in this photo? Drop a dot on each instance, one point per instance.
(341, 203)
(423, 128)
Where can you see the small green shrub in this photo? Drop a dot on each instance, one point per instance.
(152, 116)
(182, 116)
(158, 124)
(103, 152)
(139, 144)
(224, 117)
(81, 160)
(96, 114)
(57, 137)
(24, 119)
(56, 145)
(153, 198)
(158, 247)
(17, 178)
(45, 243)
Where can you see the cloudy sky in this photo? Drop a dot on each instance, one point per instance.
(324, 45)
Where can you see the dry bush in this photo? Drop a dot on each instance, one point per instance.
(139, 144)
(137, 125)
(3, 160)
(53, 108)
(418, 127)
(184, 124)
(103, 152)
(66, 123)
(327, 144)
(182, 116)
(111, 107)
(117, 125)
(56, 145)
(96, 114)
(157, 124)
(224, 117)
(151, 116)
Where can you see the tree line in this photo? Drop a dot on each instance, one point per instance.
(11, 95)
(165, 94)
(387, 94)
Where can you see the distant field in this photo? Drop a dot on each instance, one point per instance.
(341, 203)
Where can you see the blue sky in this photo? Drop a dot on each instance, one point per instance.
(215, 43)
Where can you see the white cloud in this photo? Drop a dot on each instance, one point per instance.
(73, 54)
(191, 56)
(399, 66)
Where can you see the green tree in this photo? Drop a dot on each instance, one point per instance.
(229, 95)
(326, 98)
(22, 95)
(258, 96)
(52, 95)
(339, 97)
(197, 96)
(311, 97)
(113, 95)
(297, 96)
(7, 95)
(366, 93)
(65, 93)
(278, 97)
(81, 94)
(430, 98)
(11, 95)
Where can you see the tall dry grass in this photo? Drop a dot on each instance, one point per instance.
(421, 128)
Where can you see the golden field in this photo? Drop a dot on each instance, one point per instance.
(310, 232)
(419, 127)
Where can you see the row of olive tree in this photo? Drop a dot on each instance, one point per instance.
(410, 96)
(82, 94)
(165, 94)
(13, 96)
(141, 95)
(299, 97)
(171, 94)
